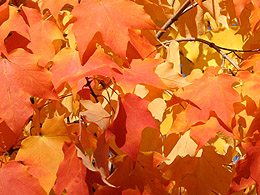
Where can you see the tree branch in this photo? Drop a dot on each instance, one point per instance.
(173, 19)
(211, 44)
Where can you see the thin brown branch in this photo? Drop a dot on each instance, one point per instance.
(173, 1)
(211, 44)
(189, 8)
(91, 90)
(184, 8)
(173, 19)
(239, 50)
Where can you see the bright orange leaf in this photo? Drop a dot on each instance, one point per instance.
(14, 22)
(140, 72)
(20, 78)
(42, 34)
(14, 179)
(212, 92)
(202, 133)
(98, 16)
(250, 85)
(67, 67)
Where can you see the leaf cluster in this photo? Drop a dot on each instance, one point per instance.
(129, 97)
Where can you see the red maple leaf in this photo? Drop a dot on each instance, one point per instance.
(72, 173)
(132, 118)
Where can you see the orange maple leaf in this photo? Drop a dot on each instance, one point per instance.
(42, 34)
(99, 16)
(11, 20)
(140, 72)
(212, 92)
(14, 179)
(21, 78)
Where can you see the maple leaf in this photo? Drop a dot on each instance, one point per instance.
(21, 78)
(101, 154)
(202, 133)
(95, 173)
(67, 67)
(98, 16)
(15, 22)
(133, 116)
(169, 76)
(211, 92)
(14, 179)
(141, 44)
(195, 173)
(250, 85)
(140, 72)
(247, 169)
(42, 34)
(157, 108)
(40, 152)
(72, 173)
(184, 146)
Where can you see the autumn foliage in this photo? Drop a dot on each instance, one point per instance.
(129, 97)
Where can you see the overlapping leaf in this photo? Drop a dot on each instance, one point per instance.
(212, 92)
(132, 118)
(45, 150)
(247, 170)
(14, 179)
(42, 34)
(21, 78)
(72, 173)
(99, 16)
(195, 173)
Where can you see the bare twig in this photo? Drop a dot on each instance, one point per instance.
(211, 44)
(91, 90)
(173, 1)
(189, 8)
(239, 50)
(173, 19)
(226, 57)
(184, 8)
